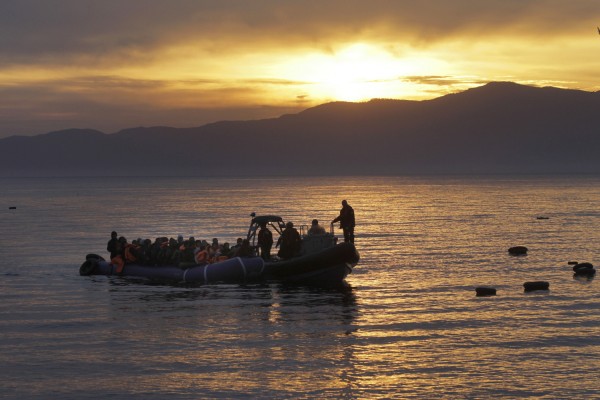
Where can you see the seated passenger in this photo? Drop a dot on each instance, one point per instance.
(203, 256)
(245, 249)
(131, 252)
(225, 250)
(316, 229)
(237, 245)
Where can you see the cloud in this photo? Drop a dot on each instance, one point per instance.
(89, 31)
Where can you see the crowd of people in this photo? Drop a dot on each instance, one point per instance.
(170, 251)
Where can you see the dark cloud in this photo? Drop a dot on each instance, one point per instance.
(63, 30)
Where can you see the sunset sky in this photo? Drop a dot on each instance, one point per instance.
(114, 64)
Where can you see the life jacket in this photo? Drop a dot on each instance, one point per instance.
(130, 251)
(118, 262)
(201, 257)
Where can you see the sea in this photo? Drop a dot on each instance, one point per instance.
(406, 325)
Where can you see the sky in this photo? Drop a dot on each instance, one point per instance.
(115, 64)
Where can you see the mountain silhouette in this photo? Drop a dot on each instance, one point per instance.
(501, 127)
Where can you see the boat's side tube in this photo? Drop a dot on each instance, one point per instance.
(341, 254)
(233, 270)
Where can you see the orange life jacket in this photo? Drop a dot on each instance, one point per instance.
(118, 262)
(129, 254)
(201, 257)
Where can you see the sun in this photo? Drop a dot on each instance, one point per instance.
(356, 72)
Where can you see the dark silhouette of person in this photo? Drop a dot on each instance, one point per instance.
(265, 241)
(111, 246)
(316, 229)
(347, 222)
(289, 241)
(245, 250)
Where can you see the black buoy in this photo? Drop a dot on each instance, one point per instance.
(572, 263)
(585, 272)
(582, 266)
(536, 285)
(485, 291)
(12, 208)
(517, 250)
(584, 269)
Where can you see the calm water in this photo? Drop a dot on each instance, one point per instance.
(408, 326)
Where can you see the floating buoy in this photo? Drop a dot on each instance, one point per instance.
(572, 263)
(536, 285)
(586, 272)
(12, 208)
(485, 291)
(585, 268)
(518, 250)
(542, 218)
(582, 266)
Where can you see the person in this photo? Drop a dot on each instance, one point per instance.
(265, 241)
(111, 246)
(289, 241)
(226, 250)
(245, 249)
(119, 259)
(203, 256)
(316, 229)
(236, 246)
(347, 222)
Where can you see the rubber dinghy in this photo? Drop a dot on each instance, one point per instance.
(322, 261)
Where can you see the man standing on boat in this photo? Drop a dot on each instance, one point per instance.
(347, 223)
(265, 241)
(290, 242)
(111, 246)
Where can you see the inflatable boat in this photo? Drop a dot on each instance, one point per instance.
(322, 261)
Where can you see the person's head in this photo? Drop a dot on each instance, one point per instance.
(113, 234)
(344, 203)
(239, 240)
(289, 225)
(122, 239)
(315, 222)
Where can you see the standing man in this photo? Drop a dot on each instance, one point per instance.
(265, 241)
(290, 242)
(111, 246)
(347, 223)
